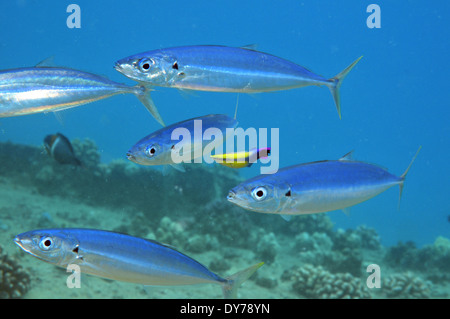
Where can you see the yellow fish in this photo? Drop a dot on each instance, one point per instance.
(241, 159)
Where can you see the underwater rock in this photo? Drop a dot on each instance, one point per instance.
(135, 223)
(369, 238)
(347, 252)
(46, 174)
(433, 260)
(14, 282)
(314, 223)
(313, 249)
(228, 223)
(219, 265)
(338, 254)
(406, 286)
(403, 255)
(267, 248)
(199, 244)
(266, 282)
(315, 282)
(346, 239)
(170, 232)
(87, 151)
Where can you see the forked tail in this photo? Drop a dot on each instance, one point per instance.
(335, 84)
(230, 288)
(146, 99)
(403, 176)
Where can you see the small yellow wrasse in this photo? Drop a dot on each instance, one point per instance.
(241, 159)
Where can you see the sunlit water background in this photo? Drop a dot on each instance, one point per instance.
(394, 100)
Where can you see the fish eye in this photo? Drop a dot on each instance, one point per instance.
(259, 193)
(46, 243)
(145, 64)
(150, 150)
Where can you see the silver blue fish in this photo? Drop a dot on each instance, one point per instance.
(159, 147)
(315, 187)
(45, 89)
(224, 69)
(124, 258)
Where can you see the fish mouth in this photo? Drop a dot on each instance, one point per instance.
(17, 240)
(231, 195)
(118, 67)
(131, 157)
(22, 243)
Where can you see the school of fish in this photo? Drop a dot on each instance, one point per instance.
(308, 188)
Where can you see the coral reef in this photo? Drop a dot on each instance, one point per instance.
(267, 248)
(433, 260)
(369, 238)
(313, 248)
(171, 233)
(14, 282)
(190, 212)
(315, 223)
(315, 282)
(219, 265)
(406, 286)
(134, 187)
(339, 251)
(87, 151)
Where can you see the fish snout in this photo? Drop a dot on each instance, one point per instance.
(231, 195)
(118, 66)
(22, 242)
(131, 157)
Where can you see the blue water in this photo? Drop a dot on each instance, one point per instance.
(394, 100)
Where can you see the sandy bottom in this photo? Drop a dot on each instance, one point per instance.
(23, 210)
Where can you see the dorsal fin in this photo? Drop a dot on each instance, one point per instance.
(46, 63)
(252, 47)
(348, 156)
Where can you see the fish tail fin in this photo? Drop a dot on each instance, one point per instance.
(234, 281)
(336, 82)
(403, 176)
(146, 99)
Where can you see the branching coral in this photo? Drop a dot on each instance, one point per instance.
(406, 286)
(14, 282)
(315, 282)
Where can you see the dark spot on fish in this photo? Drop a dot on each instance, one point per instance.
(146, 66)
(75, 250)
(260, 193)
(181, 74)
(175, 66)
(173, 146)
(288, 194)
